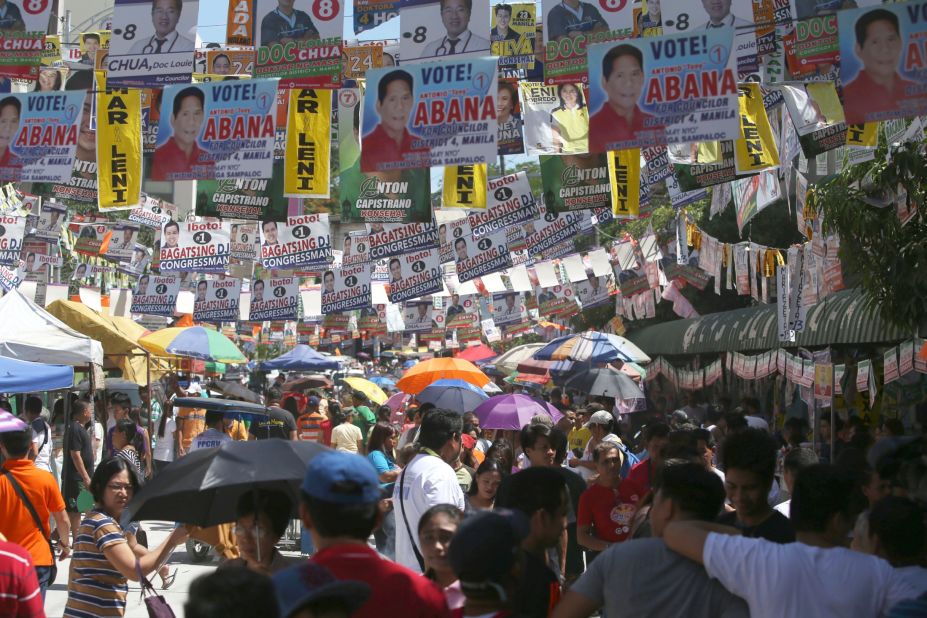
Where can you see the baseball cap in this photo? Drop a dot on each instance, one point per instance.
(602, 417)
(313, 400)
(342, 478)
(308, 582)
(486, 546)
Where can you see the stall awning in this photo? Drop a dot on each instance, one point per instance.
(841, 318)
(17, 376)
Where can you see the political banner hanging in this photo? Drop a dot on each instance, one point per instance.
(556, 301)
(355, 249)
(301, 242)
(678, 88)
(302, 49)
(508, 116)
(593, 292)
(575, 182)
(245, 241)
(551, 229)
(346, 288)
(414, 274)
(512, 35)
(152, 212)
(369, 14)
(624, 170)
(816, 114)
(308, 143)
(49, 221)
(477, 257)
(216, 130)
(570, 31)
(251, 200)
(417, 315)
(687, 17)
(156, 295)
(239, 29)
(135, 266)
(464, 186)
(221, 62)
(508, 308)
(43, 130)
(462, 311)
(753, 194)
(556, 119)
(356, 60)
(509, 203)
(152, 43)
(274, 299)
(119, 149)
(389, 197)
(217, 300)
(756, 150)
(195, 246)
(389, 239)
(12, 230)
(430, 115)
(435, 30)
(121, 242)
(701, 165)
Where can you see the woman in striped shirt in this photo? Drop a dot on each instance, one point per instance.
(103, 559)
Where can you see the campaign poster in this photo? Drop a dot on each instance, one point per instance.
(369, 14)
(49, 221)
(510, 202)
(346, 288)
(91, 231)
(414, 274)
(688, 17)
(624, 173)
(152, 43)
(135, 266)
(156, 295)
(356, 60)
(245, 239)
(512, 34)
(753, 194)
(24, 25)
(299, 41)
(393, 196)
(464, 187)
(508, 308)
(883, 75)
(575, 182)
(216, 300)
(433, 30)
(812, 47)
(551, 229)
(229, 61)
(195, 246)
(301, 242)
(477, 257)
(308, 143)
(676, 88)
(417, 315)
(462, 311)
(240, 23)
(122, 240)
(275, 299)
(40, 136)
(556, 118)
(817, 116)
(216, 130)
(430, 114)
(556, 301)
(259, 199)
(152, 212)
(593, 292)
(389, 239)
(757, 149)
(569, 31)
(355, 249)
(508, 115)
(12, 230)
(702, 165)
(119, 149)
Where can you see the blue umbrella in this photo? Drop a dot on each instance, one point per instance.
(591, 347)
(457, 395)
(383, 381)
(302, 358)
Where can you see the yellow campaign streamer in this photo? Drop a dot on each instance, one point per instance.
(863, 134)
(464, 186)
(624, 171)
(308, 148)
(119, 149)
(756, 151)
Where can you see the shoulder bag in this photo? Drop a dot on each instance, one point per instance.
(405, 520)
(155, 604)
(35, 518)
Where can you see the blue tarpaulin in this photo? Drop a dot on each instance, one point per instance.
(17, 376)
(301, 358)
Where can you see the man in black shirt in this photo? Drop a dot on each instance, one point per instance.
(78, 462)
(285, 24)
(277, 424)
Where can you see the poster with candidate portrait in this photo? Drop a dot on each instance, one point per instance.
(230, 61)
(216, 300)
(245, 241)
(452, 29)
(135, 266)
(355, 248)
(389, 239)
(274, 299)
(556, 118)
(216, 130)
(12, 230)
(462, 311)
(509, 202)
(300, 243)
(40, 135)
(417, 315)
(816, 115)
(688, 17)
(508, 115)
(388, 196)
(152, 43)
(429, 114)
(156, 295)
(593, 292)
(195, 246)
(508, 308)
(882, 61)
(415, 274)
(122, 241)
(512, 34)
(299, 41)
(346, 288)
(49, 221)
(575, 182)
(153, 212)
(251, 199)
(26, 16)
(476, 257)
(551, 229)
(676, 88)
(569, 32)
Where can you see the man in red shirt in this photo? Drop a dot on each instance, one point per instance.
(19, 589)
(640, 478)
(390, 140)
(180, 157)
(605, 511)
(339, 507)
(620, 120)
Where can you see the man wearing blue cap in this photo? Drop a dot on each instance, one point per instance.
(339, 507)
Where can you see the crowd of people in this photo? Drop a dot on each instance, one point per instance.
(420, 511)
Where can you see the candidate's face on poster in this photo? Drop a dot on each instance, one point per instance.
(625, 84)
(222, 65)
(201, 288)
(396, 106)
(716, 9)
(502, 20)
(270, 232)
(164, 16)
(347, 245)
(569, 96)
(460, 246)
(257, 292)
(49, 80)
(510, 303)
(329, 281)
(171, 235)
(143, 285)
(455, 299)
(455, 15)
(504, 104)
(91, 45)
(187, 122)
(881, 49)
(395, 270)
(30, 262)
(422, 311)
(9, 125)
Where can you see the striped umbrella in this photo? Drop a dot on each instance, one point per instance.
(8, 422)
(193, 342)
(592, 347)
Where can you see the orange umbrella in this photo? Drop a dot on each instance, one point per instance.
(423, 374)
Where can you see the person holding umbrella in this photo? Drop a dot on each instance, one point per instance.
(261, 518)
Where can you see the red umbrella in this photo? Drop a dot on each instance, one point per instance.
(477, 353)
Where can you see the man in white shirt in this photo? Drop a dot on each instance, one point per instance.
(822, 577)
(427, 480)
(213, 436)
(165, 14)
(41, 433)
(458, 39)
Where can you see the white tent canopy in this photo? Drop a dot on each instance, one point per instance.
(29, 333)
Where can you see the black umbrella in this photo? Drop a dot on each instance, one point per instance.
(607, 382)
(202, 488)
(235, 389)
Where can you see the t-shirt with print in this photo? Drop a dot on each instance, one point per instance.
(96, 588)
(277, 424)
(211, 438)
(644, 578)
(775, 528)
(820, 582)
(608, 510)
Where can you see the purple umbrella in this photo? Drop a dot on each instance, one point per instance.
(8, 422)
(512, 412)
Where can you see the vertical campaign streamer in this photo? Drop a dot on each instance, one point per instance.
(465, 186)
(119, 149)
(240, 27)
(757, 150)
(624, 168)
(308, 143)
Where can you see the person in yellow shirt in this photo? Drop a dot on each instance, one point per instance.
(570, 121)
(579, 436)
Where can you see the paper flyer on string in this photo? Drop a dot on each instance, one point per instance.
(275, 299)
(389, 197)
(119, 149)
(346, 288)
(12, 230)
(217, 300)
(301, 242)
(556, 118)
(121, 242)
(417, 315)
(430, 115)
(414, 274)
(135, 266)
(510, 202)
(299, 42)
(216, 130)
(883, 66)
(355, 249)
(593, 292)
(229, 61)
(575, 182)
(462, 311)
(356, 60)
(258, 199)
(816, 115)
(432, 30)
(753, 194)
(555, 301)
(512, 34)
(42, 137)
(195, 246)
(49, 221)
(245, 241)
(308, 143)
(687, 17)
(551, 229)
(642, 94)
(389, 239)
(477, 257)
(152, 212)
(152, 43)
(508, 308)
(757, 149)
(569, 31)
(156, 295)
(369, 14)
